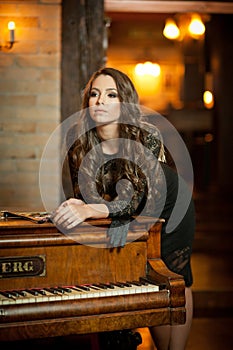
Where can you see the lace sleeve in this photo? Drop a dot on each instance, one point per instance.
(153, 140)
(120, 208)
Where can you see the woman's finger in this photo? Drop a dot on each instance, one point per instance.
(73, 224)
(61, 216)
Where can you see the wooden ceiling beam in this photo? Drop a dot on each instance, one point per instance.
(144, 6)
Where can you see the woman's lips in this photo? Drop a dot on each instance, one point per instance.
(100, 111)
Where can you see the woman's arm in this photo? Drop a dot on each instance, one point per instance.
(73, 211)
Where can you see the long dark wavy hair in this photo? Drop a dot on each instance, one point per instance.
(131, 128)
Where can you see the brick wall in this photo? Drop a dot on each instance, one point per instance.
(29, 104)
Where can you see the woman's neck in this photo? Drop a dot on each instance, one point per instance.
(108, 131)
(110, 135)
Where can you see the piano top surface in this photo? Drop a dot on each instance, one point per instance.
(23, 231)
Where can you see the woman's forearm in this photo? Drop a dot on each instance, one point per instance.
(96, 211)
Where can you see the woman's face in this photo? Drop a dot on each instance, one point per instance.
(104, 101)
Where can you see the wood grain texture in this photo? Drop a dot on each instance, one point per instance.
(69, 262)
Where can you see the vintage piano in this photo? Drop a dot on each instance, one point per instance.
(53, 284)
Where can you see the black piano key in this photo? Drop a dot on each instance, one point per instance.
(104, 286)
(162, 286)
(100, 285)
(4, 294)
(22, 293)
(32, 292)
(152, 282)
(109, 286)
(60, 290)
(41, 291)
(11, 294)
(92, 286)
(51, 290)
(144, 280)
(82, 287)
(123, 284)
(66, 289)
(127, 284)
(117, 284)
(7, 294)
(76, 289)
(135, 283)
(148, 281)
(15, 293)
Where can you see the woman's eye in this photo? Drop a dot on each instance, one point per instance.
(96, 94)
(93, 94)
(112, 95)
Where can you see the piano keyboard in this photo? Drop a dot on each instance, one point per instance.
(61, 293)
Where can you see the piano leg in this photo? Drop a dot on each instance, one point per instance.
(119, 340)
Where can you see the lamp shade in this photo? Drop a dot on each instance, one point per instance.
(171, 31)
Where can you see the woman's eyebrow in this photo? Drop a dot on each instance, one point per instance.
(111, 89)
(107, 89)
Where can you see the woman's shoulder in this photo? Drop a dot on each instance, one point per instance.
(152, 138)
(149, 128)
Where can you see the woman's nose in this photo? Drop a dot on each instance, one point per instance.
(101, 98)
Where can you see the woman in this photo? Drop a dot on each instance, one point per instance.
(118, 169)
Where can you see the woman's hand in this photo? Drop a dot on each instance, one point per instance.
(70, 213)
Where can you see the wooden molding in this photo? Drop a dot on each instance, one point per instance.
(144, 6)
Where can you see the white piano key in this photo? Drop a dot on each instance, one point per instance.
(79, 292)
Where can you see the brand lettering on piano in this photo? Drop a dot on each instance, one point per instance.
(17, 266)
(22, 266)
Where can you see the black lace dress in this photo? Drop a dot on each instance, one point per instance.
(176, 243)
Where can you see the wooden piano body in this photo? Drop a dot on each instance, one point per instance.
(39, 256)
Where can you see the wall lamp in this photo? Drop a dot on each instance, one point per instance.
(147, 68)
(10, 43)
(194, 26)
(171, 30)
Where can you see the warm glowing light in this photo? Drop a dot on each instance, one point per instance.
(196, 26)
(208, 137)
(148, 68)
(139, 69)
(11, 25)
(171, 31)
(208, 99)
